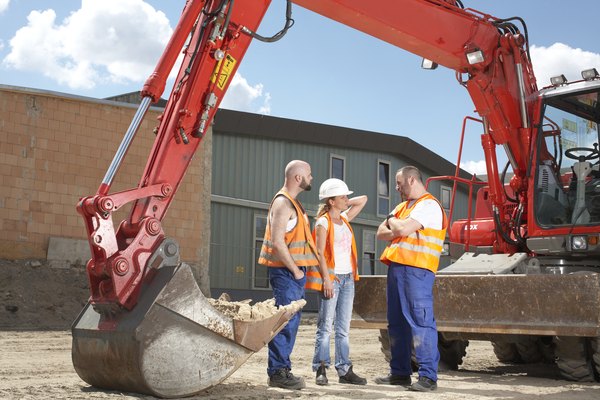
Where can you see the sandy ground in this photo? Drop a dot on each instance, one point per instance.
(37, 364)
(39, 303)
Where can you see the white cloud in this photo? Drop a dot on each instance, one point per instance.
(242, 96)
(104, 41)
(4, 5)
(474, 167)
(109, 41)
(561, 59)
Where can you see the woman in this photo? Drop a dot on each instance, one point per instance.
(334, 278)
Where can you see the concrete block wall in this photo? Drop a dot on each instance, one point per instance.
(56, 148)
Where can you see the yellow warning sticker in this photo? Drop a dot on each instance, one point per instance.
(224, 72)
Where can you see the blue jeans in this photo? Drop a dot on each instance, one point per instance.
(410, 320)
(285, 290)
(338, 308)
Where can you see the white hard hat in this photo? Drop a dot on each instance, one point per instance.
(333, 187)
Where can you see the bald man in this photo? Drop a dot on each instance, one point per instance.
(288, 248)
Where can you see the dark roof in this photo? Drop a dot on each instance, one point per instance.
(135, 98)
(237, 122)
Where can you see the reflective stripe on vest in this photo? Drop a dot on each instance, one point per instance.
(299, 241)
(420, 249)
(314, 280)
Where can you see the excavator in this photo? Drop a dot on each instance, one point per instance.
(526, 270)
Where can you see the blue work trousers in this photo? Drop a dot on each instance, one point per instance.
(285, 290)
(338, 309)
(411, 323)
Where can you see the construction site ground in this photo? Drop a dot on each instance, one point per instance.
(39, 302)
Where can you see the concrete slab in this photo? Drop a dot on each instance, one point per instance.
(64, 252)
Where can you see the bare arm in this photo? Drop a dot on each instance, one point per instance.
(403, 227)
(384, 232)
(393, 227)
(321, 236)
(356, 205)
(281, 212)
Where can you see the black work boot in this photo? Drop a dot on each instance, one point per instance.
(424, 384)
(400, 380)
(352, 378)
(283, 378)
(321, 379)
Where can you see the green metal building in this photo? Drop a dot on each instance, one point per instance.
(250, 152)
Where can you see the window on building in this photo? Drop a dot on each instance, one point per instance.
(337, 167)
(383, 188)
(368, 254)
(261, 277)
(445, 196)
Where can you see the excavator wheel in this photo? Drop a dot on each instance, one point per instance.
(573, 358)
(451, 351)
(506, 352)
(384, 340)
(526, 350)
(595, 344)
(173, 343)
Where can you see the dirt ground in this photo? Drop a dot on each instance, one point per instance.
(38, 304)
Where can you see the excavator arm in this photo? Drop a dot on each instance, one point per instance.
(491, 59)
(140, 307)
(209, 36)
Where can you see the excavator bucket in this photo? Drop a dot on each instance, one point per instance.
(174, 343)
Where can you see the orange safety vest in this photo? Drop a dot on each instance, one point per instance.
(299, 240)
(314, 280)
(421, 249)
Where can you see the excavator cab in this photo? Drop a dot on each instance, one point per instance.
(567, 186)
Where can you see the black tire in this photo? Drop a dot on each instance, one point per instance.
(529, 351)
(384, 340)
(546, 346)
(595, 347)
(451, 353)
(506, 352)
(574, 358)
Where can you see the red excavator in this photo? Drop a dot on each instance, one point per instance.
(526, 263)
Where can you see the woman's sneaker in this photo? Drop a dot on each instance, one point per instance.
(321, 379)
(284, 379)
(352, 378)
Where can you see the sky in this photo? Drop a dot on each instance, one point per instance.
(321, 71)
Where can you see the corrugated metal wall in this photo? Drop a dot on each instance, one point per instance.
(248, 170)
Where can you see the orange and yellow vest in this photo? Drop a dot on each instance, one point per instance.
(299, 241)
(314, 280)
(421, 249)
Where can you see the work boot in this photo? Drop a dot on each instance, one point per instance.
(283, 378)
(424, 384)
(352, 378)
(321, 379)
(390, 379)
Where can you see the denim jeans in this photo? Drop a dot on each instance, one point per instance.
(410, 320)
(338, 308)
(285, 290)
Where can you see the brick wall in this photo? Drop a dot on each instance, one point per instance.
(56, 148)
